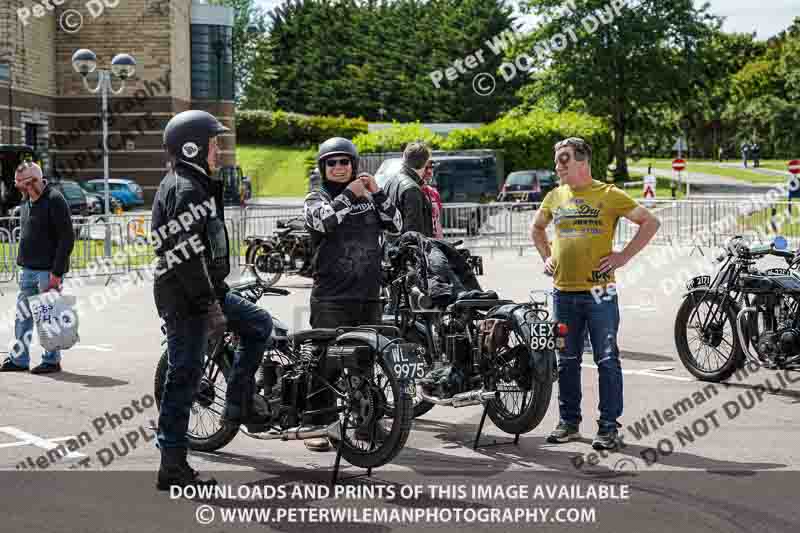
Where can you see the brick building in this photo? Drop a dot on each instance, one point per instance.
(184, 61)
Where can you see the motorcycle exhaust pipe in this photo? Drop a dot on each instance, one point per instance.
(463, 399)
(744, 341)
(302, 433)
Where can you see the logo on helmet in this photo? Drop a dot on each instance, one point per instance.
(190, 150)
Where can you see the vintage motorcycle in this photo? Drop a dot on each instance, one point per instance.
(476, 349)
(371, 375)
(288, 251)
(742, 312)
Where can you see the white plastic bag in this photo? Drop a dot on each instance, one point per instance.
(56, 320)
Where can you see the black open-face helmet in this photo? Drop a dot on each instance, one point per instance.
(337, 146)
(188, 133)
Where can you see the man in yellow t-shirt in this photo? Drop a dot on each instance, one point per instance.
(582, 262)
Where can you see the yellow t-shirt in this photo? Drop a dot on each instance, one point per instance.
(585, 223)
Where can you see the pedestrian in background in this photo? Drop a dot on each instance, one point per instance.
(745, 152)
(435, 198)
(46, 242)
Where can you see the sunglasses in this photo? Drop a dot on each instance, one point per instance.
(564, 158)
(332, 163)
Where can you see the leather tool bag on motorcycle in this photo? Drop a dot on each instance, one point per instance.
(493, 334)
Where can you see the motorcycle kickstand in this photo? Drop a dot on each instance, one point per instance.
(335, 477)
(515, 442)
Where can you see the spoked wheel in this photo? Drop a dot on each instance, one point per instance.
(267, 264)
(521, 401)
(713, 352)
(206, 432)
(372, 438)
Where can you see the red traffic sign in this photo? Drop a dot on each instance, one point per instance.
(794, 166)
(678, 165)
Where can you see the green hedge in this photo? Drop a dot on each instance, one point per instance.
(293, 129)
(395, 138)
(526, 140)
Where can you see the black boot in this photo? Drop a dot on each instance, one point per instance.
(175, 470)
(251, 411)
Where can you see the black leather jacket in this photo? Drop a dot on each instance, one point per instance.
(405, 191)
(190, 241)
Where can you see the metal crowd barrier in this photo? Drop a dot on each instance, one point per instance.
(706, 222)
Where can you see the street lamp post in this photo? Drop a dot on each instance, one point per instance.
(123, 66)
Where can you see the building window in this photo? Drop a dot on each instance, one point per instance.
(32, 135)
(212, 62)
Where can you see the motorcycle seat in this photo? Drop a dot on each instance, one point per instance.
(479, 303)
(477, 295)
(315, 335)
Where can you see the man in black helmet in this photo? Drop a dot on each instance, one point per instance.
(346, 217)
(191, 243)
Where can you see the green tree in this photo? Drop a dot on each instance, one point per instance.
(620, 58)
(374, 57)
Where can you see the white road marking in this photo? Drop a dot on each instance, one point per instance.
(644, 373)
(96, 348)
(35, 440)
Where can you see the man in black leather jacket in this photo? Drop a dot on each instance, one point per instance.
(191, 242)
(405, 191)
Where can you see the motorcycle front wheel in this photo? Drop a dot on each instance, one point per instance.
(710, 353)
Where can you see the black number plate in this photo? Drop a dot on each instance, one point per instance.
(543, 336)
(777, 272)
(403, 360)
(698, 281)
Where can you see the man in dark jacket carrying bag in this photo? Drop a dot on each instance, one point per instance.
(46, 242)
(191, 295)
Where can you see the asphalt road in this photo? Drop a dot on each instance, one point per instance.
(714, 471)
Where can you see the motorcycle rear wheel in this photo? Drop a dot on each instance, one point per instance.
(383, 444)
(207, 405)
(508, 414)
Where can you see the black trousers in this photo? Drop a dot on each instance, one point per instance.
(334, 315)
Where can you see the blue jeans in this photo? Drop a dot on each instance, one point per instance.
(31, 283)
(187, 340)
(581, 311)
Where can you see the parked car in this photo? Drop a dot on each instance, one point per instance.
(455, 179)
(126, 191)
(97, 203)
(528, 186)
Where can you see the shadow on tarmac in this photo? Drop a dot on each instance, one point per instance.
(88, 381)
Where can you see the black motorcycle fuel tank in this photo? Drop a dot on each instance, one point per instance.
(754, 283)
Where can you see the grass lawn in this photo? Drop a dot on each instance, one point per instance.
(712, 167)
(274, 170)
